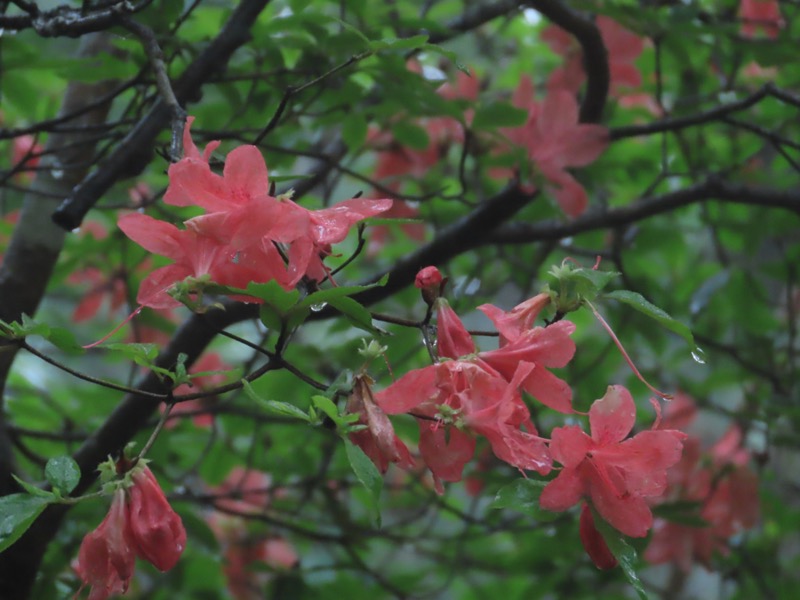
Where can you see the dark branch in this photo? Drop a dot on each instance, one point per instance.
(65, 21)
(234, 34)
(595, 55)
(712, 188)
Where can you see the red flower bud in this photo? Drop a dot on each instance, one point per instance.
(428, 277)
(430, 281)
(156, 531)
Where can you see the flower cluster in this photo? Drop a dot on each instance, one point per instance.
(467, 393)
(247, 235)
(140, 523)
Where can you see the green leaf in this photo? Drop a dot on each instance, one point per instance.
(411, 135)
(63, 473)
(354, 130)
(277, 304)
(33, 490)
(327, 406)
(622, 551)
(591, 281)
(682, 512)
(410, 43)
(64, 340)
(355, 313)
(274, 295)
(18, 512)
(58, 336)
(498, 114)
(449, 54)
(321, 297)
(523, 496)
(142, 354)
(283, 409)
(639, 302)
(367, 473)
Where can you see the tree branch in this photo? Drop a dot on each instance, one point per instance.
(234, 34)
(595, 55)
(712, 188)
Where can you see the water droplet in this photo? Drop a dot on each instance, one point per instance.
(57, 173)
(319, 306)
(699, 355)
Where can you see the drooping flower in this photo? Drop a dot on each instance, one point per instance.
(156, 531)
(106, 559)
(616, 474)
(103, 287)
(378, 440)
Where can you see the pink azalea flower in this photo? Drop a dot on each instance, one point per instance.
(456, 398)
(543, 347)
(155, 530)
(329, 226)
(246, 221)
(140, 194)
(394, 161)
(245, 556)
(719, 481)
(104, 288)
(616, 474)
(555, 141)
(378, 440)
(623, 47)
(195, 255)
(760, 16)
(452, 338)
(106, 559)
(513, 324)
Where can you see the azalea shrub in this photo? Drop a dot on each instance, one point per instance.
(399, 300)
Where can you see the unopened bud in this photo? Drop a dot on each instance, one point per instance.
(430, 281)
